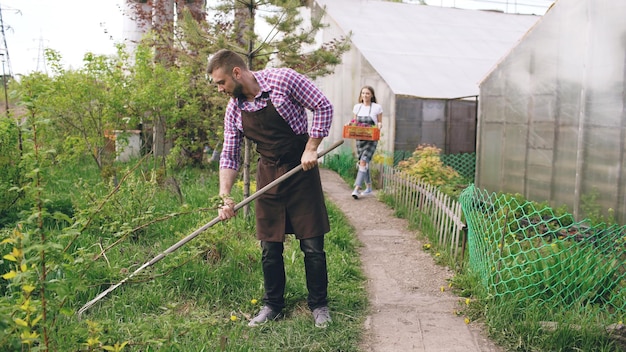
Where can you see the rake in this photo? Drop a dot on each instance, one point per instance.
(192, 235)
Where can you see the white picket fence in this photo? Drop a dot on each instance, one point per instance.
(424, 202)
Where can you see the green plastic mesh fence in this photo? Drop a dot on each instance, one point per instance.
(400, 155)
(532, 254)
(464, 164)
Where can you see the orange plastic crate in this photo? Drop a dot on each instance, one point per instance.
(362, 133)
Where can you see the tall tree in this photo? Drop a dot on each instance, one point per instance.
(285, 42)
(190, 40)
(187, 130)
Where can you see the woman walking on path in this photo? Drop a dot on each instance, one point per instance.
(366, 113)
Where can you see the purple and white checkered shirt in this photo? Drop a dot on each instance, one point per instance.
(290, 93)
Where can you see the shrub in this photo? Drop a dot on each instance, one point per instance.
(10, 171)
(425, 163)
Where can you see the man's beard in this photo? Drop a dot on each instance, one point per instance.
(238, 90)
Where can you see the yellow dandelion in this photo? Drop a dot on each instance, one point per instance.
(467, 321)
(467, 301)
(443, 288)
(426, 246)
(437, 254)
(233, 318)
(254, 301)
(11, 274)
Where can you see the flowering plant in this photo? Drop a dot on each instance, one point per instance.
(354, 122)
(426, 164)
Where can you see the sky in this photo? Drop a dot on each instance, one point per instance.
(72, 27)
(75, 27)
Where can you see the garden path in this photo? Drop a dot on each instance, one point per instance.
(408, 309)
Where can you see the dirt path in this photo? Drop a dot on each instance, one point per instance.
(408, 310)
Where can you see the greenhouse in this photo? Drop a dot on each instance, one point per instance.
(552, 124)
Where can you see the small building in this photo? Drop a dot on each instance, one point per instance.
(424, 63)
(126, 144)
(552, 116)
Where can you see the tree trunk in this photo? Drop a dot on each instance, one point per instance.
(163, 21)
(244, 22)
(159, 144)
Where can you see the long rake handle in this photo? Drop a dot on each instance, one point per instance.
(192, 235)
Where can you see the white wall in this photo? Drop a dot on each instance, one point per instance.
(343, 87)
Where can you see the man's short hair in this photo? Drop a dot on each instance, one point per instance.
(226, 60)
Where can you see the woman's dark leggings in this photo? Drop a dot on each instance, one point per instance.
(314, 264)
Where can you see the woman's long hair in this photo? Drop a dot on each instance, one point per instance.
(371, 91)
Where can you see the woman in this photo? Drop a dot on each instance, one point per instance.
(366, 112)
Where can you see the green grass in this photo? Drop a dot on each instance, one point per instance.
(190, 308)
(198, 298)
(344, 164)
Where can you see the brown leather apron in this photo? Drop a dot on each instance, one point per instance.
(296, 205)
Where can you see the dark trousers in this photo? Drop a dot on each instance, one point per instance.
(315, 267)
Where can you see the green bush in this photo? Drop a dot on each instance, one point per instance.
(426, 164)
(10, 171)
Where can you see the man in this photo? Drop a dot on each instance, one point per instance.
(268, 107)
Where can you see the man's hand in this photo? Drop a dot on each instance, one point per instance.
(309, 160)
(309, 156)
(226, 210)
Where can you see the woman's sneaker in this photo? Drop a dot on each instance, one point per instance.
(367, 192)
(266, 314)
(355, 194)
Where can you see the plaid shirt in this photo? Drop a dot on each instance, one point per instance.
(290, 93)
